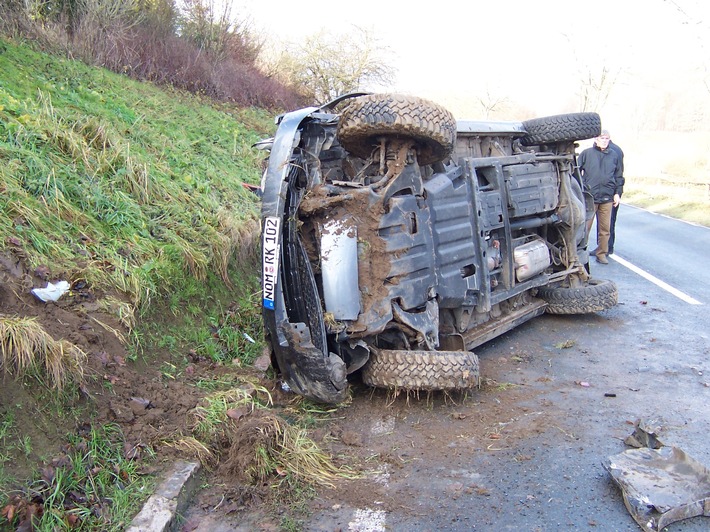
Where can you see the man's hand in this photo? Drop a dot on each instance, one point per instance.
(617, 200)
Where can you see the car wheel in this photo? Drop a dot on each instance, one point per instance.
(367, 118)
(421, 370)
(561, 128)
(599, 294)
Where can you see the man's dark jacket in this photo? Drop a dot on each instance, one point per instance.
(601, 173)
(620, 153)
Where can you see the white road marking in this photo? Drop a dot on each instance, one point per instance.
(383, 426)
(382, 475)
(368, 520)
(655, 280)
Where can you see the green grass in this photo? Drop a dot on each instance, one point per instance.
(136, 192)
(122, 184)
(7, 442)
(684, 201)
(219, 325)
(92, 486)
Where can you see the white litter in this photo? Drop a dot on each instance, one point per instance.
(51, 292)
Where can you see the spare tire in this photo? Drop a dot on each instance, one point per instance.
(367, 118)
(561, 128)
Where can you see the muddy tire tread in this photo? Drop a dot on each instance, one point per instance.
(422, 370)
(368, 117)
(598, 295)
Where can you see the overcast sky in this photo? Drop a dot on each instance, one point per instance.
(534, 52)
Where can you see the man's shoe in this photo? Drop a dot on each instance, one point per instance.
(594, 251)
(602, 259)
(611, 251)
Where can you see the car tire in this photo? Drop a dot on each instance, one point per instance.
(368, 117)
(597, 295)
(561, 128)
(421, 370)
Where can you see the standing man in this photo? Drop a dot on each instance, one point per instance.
(615, 208)
(602, 176)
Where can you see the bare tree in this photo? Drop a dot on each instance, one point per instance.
(596, 78)
(692, 19)
(326, 65)
(491, 103)
(595, 88)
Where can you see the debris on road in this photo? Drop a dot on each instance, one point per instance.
(645, 434)
(660, 486)
(566, 344)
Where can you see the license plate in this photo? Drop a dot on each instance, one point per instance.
(270, 260)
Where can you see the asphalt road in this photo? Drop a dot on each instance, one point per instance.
(562, 393)
(673, 251)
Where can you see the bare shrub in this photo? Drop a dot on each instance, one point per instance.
(244, 84)
(142, 53)
(141, 40)
(210, 26)
(105, 26)
(14, 19)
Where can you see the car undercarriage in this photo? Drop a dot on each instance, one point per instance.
(396, 240)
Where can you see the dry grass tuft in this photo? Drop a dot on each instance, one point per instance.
(212, 415)
(682, 200)
(194, 448)
(299, 456)
(235, 237)
(125, 312)
(263, 444)
(26, 347)
(118, 334)
(259, 442)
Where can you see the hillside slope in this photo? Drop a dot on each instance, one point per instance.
(108, 163)
(132, 195)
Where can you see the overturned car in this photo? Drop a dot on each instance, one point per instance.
(396, 239)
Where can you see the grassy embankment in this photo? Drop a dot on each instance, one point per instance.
(135, 192)
(673, 197)
(133, 189)
(669, 173)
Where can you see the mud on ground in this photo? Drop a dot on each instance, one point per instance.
(524, 452)
(153, 406)
(150, 398)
